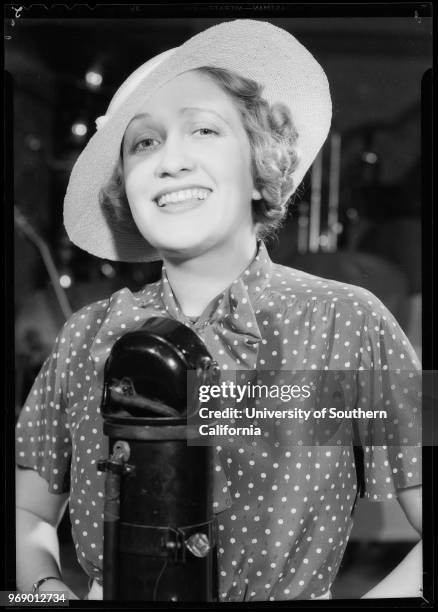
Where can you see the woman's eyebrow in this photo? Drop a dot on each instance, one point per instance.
(140, 116)
(180, 112)
(203, 109)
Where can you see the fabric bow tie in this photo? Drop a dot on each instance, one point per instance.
(228, 326)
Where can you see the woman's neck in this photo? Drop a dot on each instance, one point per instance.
(196, 281)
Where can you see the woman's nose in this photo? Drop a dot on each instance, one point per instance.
(174, 158)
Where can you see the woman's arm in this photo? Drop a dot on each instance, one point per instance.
(406, 580)
(38, 513)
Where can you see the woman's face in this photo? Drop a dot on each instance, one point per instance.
(187, 169)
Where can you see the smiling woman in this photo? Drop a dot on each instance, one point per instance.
(194, 164)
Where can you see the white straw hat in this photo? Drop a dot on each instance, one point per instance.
(255, 49)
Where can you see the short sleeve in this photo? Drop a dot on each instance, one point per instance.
(389, 384)
(43, 441)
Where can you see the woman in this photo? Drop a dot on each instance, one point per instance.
(194, 163)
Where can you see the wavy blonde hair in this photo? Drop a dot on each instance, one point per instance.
(272, 136)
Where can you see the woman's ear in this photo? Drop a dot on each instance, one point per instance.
(256, 195)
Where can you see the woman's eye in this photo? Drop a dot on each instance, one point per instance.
(145, 144)
(205, 131)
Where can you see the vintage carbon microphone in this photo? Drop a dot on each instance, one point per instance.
(159, 530)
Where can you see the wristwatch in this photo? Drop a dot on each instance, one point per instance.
(36, 585)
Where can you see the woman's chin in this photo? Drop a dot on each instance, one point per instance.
(180, 248)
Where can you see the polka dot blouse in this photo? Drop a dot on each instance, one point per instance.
(284, 508)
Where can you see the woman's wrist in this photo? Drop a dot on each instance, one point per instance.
(51, 585)
(41, 581)
(56, 585)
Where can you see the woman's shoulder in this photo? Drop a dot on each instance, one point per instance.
(89, 314)
(93, 315)
(296, 286)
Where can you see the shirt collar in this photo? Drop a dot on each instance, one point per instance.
(249, 286)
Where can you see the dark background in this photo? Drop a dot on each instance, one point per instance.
(375, 67)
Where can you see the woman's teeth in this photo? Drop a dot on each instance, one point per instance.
(181, 196)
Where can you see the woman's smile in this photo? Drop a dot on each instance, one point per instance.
(182, 199)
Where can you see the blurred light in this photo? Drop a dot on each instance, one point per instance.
(323, 240)
(79, 129)
(94, 79)
(369, 157)
(108, 270)
(352, 214)
(337, 228)
(33, 142)
(65, 281)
